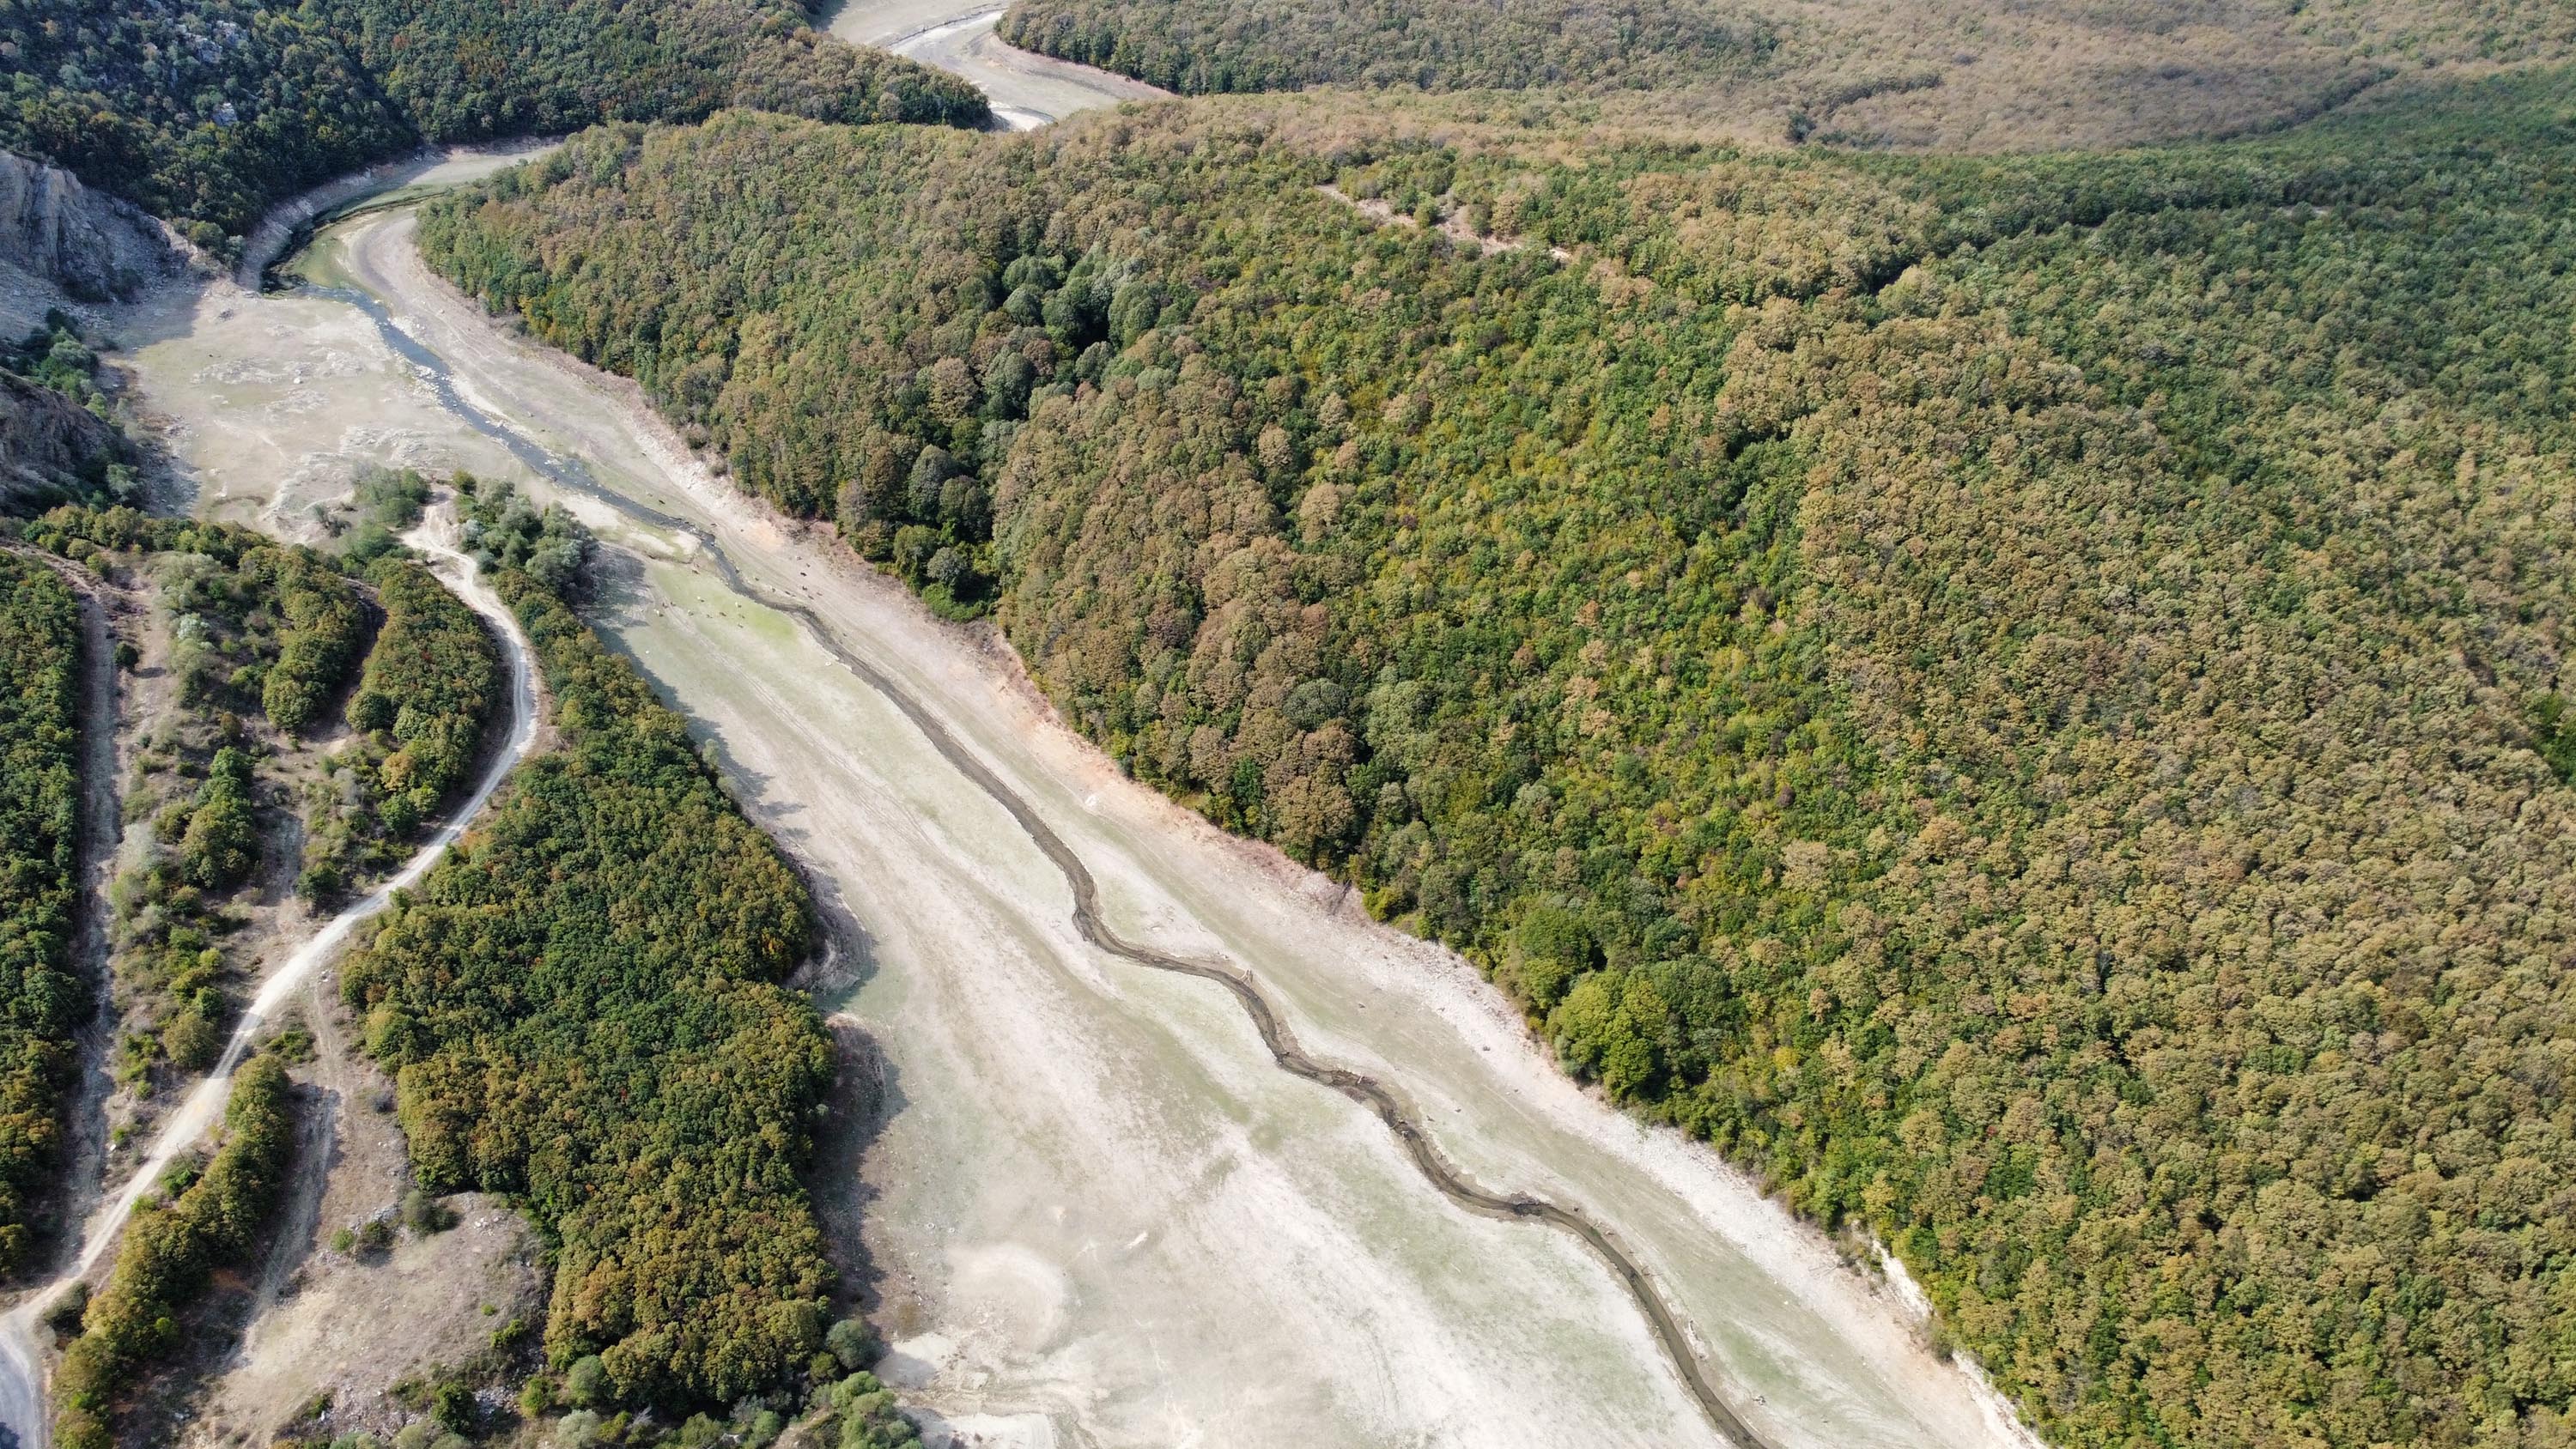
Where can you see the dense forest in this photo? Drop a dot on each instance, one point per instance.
(580, 1007)
(40, 998)
(208, 1215)
(208, 111)
(1979, 75)
(2016, 696)
(1197, 48)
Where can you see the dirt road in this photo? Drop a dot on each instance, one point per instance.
(21, 1398)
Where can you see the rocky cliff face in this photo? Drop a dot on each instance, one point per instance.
(50, 447)
(61, 234)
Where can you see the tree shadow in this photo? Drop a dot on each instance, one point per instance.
(617, 597)
(866, 1094)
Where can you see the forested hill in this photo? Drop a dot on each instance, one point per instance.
(207, 111)
(1974, 74)
(2017, 697)
(1216, 45)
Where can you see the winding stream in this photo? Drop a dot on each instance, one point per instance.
(1100, 1205)
(1275, 1035)
(1025, 89)
(21, 1402)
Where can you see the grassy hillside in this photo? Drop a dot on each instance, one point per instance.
(207, 1217)
(259, 628)
(207, 111)
(2015, 696)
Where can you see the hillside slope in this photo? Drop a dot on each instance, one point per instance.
(580, 1007)
(208, 111)
(1916, 73)
(2017, 697)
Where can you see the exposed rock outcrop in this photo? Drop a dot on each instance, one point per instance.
(50, 446)
(86, 244)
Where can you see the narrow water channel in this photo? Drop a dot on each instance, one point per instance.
(1810, 1354)
(1402, 1120)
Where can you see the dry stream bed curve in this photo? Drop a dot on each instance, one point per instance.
(1088, 1206)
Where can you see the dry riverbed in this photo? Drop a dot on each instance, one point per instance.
(1095, 1212)
(1026, 89)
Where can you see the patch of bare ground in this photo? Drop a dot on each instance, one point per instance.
(316, 1335)
(150, 719)
(1452, 223)
(342, 1327)
(262, 920)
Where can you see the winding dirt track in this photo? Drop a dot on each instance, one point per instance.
(22, 1418)
(1087, 920)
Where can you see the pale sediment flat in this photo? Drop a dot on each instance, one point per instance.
(429, 168)
(269, 405)
(957, 36)
(1098, 1214)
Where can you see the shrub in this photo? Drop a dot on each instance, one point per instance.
(170, 1249)
(854, 1343)
(586, 1383)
